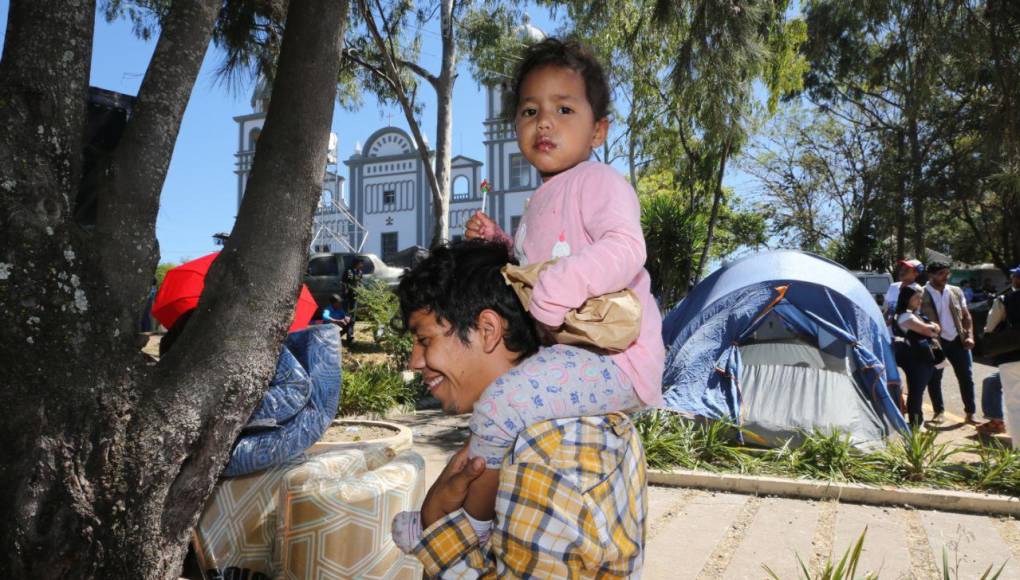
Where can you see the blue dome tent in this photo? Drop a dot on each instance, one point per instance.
(783, 343)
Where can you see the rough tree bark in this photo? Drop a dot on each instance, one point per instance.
(107, 459)
(444, 125)
(713, 216)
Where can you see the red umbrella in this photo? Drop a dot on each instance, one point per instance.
(183, 285)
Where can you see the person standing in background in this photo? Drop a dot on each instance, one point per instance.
(351, 280)
(945, 304)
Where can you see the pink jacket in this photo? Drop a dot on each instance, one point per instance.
(589, 218)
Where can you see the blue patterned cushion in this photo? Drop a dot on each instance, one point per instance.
(300, 404)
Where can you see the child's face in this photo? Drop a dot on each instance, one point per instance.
(556, 128)
(915, 301)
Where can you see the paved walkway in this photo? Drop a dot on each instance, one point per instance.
(696, 534)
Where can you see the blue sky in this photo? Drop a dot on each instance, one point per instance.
(200, 193)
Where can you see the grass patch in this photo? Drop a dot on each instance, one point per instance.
(916, 459)
(374, 389)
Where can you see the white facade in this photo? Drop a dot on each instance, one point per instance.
(389, 206)
(391, 197)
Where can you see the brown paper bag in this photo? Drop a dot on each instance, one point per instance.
(610, 322)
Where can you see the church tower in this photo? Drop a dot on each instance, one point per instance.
(512, 178)
(334, 229)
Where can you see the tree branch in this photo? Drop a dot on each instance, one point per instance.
(128, 196)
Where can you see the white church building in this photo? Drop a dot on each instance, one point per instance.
(389, 204)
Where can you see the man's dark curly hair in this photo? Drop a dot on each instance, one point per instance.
(461, 279)
(566, 53)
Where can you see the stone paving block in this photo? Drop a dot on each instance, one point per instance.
(662, 501)
(973, 543)
(781, 530)
(884, 550)
(683, 544)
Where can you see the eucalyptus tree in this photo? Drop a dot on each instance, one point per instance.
(108, 457)
(687, 73)
(888, 60)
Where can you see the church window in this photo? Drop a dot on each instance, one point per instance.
(253, 138)
(389, 197)
(461, 188)
(388, 241)
(520, 171)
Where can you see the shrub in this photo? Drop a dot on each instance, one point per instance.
(916, 457)
(998, 470)
(373, 389)
(831, 456)
(380, 308)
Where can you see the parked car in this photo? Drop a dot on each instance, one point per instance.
(877, 283)
(325, 273)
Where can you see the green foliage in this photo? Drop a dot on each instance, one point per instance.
(374, 389)
(381, 309)
(673, 237)
(162, 269)
(675, 228)
(669, 439)
(913, 459)
(917, 457)
(998, 469)
(845, 569)
(831, 456)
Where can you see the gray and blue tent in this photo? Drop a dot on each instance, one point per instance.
(783, 343)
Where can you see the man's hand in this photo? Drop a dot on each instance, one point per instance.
(448, 493)
(480, 226)
(968, 343)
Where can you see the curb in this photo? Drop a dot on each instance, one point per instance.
(942, 500)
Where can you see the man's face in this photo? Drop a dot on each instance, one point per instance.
(451, 369)
(940, 278)
(1015, 279)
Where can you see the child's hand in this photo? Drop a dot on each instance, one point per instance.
(480, 226)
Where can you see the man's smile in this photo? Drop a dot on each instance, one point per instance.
(434, 382)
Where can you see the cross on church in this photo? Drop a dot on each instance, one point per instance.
(389, 118)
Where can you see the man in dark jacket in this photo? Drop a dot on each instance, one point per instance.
(351, 280)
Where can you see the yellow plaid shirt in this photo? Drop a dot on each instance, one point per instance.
(571, 503)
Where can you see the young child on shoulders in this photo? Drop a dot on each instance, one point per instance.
(587, 216)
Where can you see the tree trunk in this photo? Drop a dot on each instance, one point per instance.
(917, 194)
(392, 76)
(901, 204)
(107, 459)
(714, 215)
(444, 126)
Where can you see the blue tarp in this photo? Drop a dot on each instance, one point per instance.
(298, 407)
(818, 300)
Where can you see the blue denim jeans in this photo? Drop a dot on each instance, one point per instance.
(960, 358)
(991, 397)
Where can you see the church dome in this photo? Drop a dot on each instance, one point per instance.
(529, 33)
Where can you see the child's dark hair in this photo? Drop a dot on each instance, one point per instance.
(566, 53)
(903, 298)
(459, 280)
